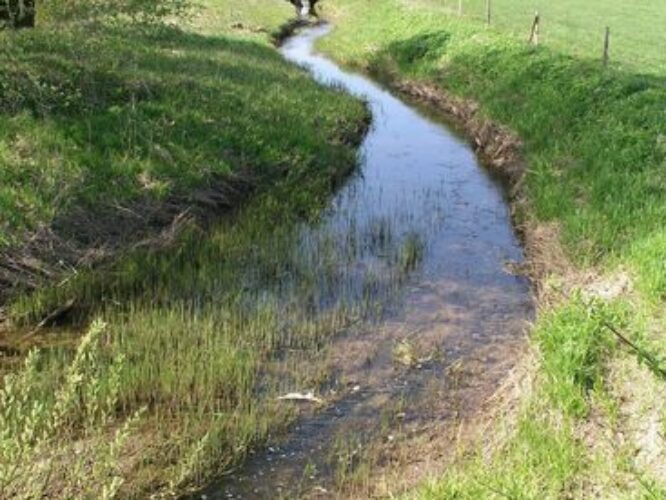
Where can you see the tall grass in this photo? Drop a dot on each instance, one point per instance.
(215, 329)
(61, 436)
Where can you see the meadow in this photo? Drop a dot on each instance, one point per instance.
(593, 141)
(576, 28)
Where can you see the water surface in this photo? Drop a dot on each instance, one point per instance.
(421, 188)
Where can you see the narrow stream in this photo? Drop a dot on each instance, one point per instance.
(458, 322)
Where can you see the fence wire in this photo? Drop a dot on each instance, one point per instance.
(637, 27)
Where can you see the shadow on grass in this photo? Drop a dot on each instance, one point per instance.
(172, 106)
(424, 47)
(154, 123)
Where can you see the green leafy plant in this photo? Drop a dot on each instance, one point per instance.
(59, 443)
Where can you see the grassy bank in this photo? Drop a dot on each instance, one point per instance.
(177, 380)
(593, 419)
(110, 129)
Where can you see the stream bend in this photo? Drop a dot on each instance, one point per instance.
(418, 180)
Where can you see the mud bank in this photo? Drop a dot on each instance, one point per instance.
(586, 130)
(88, 239)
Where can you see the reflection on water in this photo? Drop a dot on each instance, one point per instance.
(420, 190)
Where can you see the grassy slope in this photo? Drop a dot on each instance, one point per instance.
(99, 121)
(594, 141)
(181, 384)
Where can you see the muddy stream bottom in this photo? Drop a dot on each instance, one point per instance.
(401, 388)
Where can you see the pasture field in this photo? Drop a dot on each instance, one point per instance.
(577, 28)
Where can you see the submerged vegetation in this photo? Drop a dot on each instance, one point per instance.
(594, 144)
(208, 335)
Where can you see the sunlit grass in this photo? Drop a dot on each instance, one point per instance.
(576, 28)
(541, 461)
(134, 115)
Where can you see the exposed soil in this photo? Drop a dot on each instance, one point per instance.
(497, 146)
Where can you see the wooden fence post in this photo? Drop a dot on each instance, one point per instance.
(488, 12)
(534, 34)
(607, 46)
(460, 10)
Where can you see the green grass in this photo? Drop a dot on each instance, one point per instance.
(202, 336)
(574, 346)
(594, 144)
(539, 462)
(253, 19)
(134, 114)
(577, 28)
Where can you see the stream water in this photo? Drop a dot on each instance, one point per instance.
(457, 325)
